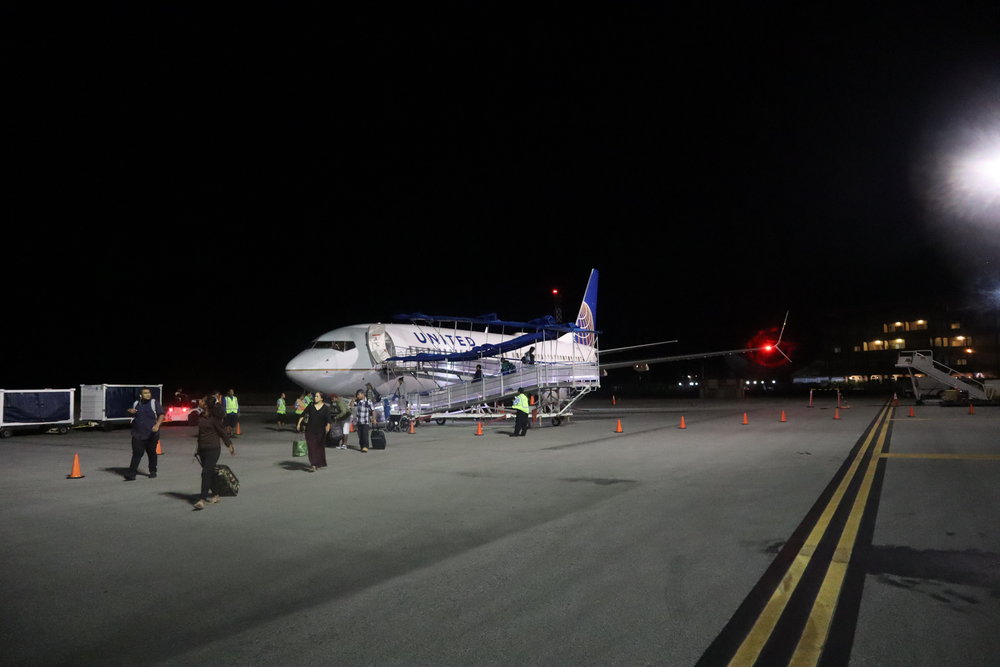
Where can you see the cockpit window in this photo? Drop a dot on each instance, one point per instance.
(338, 345)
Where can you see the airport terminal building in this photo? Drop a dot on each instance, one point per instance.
(862, 347)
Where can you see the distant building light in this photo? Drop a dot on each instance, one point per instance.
(968, 350)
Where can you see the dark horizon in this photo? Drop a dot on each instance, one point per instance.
(183, 185)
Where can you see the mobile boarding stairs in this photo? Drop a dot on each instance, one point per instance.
(922, 361)
(558, 387)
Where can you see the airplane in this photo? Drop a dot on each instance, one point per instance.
(430, 357)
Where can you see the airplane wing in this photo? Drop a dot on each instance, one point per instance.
(767, 347)
(685, 357)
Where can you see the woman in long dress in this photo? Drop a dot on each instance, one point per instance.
(317, 419)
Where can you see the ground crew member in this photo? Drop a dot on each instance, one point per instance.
(232, 418)
(521, 411)
(282, 410)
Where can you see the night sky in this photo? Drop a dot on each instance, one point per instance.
(192, 195)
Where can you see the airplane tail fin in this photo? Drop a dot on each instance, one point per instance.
(586, 318)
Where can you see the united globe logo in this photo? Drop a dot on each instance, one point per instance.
(585, 320)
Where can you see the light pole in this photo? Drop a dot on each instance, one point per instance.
(996, 331)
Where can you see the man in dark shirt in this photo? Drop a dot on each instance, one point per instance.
(147, 416)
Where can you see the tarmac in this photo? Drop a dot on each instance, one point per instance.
(871, 539)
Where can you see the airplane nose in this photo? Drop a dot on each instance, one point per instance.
(301, 367)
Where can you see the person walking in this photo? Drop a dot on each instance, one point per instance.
(281, 409)
(147, 417)
(364, 414)
(521, 410)
(232, 408)
(341, 419)
(300, 407)
(208, 449)
(317, 422)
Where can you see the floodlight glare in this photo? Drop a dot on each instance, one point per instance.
(975, 176)
(971, 178)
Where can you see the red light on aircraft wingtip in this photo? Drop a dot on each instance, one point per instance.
(765, 349)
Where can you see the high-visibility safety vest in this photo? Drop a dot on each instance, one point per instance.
(281, 406)
(232, 405)
(521, 403)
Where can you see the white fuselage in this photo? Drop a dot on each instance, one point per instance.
(344, 360)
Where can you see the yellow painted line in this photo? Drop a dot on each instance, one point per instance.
(971, 457)
(753, 643)
(810, 647)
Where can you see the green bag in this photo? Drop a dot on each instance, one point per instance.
(299, 448)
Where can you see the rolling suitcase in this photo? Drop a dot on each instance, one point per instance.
(378, 438)
(225, 483)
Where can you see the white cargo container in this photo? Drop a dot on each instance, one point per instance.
(32, 409)
(108, 404)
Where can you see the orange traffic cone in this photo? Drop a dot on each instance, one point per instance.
(683, 425)
(479, 428)
(836, 413)
(159, 450)
(75, 473)
(619, 428)
(972, 410)
(746, 420)
(238, 431)
(911, 412)
(413, 426)
(783, 417)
